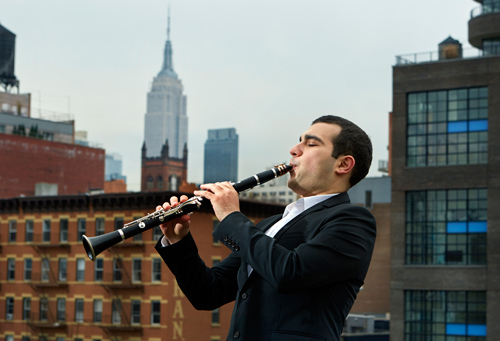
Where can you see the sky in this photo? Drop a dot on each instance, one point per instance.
(267, 68)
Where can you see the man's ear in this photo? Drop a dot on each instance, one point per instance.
(344, 164)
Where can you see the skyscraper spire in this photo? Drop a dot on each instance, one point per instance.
(168, 67)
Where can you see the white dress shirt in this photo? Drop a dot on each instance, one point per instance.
(291, 211)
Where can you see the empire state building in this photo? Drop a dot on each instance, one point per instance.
(166, 122)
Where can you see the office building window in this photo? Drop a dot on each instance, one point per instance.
(155, 312)
(445, 315)
(28, 263)
(99, 226)
(63, 230)
(81, 228)
(80, 269)
(446, 227)
(45, 270)
(156, 274)
(98, 311)
(116, 317)
(12, 231)
(136, 312)
(447, 127)
(63, 269)
(98, 270)
(117, 269)
(46, 230)
(491, 46)
(79, 310)
(136, 270)
(11, 269)
(29, 231)
(61, 309)
(9, 308)
(44, 308)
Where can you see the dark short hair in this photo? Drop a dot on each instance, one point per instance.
(351, 140)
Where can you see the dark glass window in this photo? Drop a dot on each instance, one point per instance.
(445, 315)
(29, 231)
(155, 312)
(446, 227)
(491, 46)
(82, 228)
(447, 127)
(136, 312)
(63, 230)
(118, 223)
(46, 230)
(99, 226)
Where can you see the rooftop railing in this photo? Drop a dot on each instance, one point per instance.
(475, 12)
(433, 56)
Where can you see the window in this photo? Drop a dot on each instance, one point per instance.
(98, 270)
(44, 308)
(11, 269)
(80, 269)
(98, 310)
(136, 270)
(216, 260)
(79, 310)
(446, 227)
(157, 234)
(136, 312)
(46, 230)
(368, 199)
(156, 274)
(61, 309)
(63, 269)
(117, 269)
(118, 223)
(155, 312)
(99, 226)
(9, 308)
(27, 269)
(116, 312)
(159, 183)
(81, 228)
(45, 266)
(9, 337)
(12, 231)
(29, 231)
(26, 308)
(447, 127)
(63, 230)
(491, 46)
(150, 183)
(215, 223)
(445, 315)
(216, 316)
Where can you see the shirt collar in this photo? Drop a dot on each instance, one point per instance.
(304, 203)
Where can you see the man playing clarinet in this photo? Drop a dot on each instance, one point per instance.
(294, 276)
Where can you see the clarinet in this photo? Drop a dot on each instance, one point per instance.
(95, 245)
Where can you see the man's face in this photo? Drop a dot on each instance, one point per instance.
(313, 165)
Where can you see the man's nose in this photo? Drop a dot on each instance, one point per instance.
(296, 150)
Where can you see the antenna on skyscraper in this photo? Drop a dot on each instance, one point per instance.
(168, 25)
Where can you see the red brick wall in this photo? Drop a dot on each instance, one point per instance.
(27, 161)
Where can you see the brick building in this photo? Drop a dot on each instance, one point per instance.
(50, 290)
(29, 161)
(163, 173)
(445, 169)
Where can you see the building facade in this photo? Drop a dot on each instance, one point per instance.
(166, 117)
(163, 173)
(50, 290)
(445, 170)
(221, 156)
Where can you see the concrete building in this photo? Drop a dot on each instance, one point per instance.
(166, 117)
(50, 290)
(445, 279)
(221, 156)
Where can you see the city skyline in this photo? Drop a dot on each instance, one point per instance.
(260, 71)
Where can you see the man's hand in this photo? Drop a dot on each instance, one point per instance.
(176, 229)
(223, 197)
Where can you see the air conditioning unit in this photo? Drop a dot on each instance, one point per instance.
(9, 317)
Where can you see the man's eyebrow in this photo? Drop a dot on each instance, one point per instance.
(311, 137)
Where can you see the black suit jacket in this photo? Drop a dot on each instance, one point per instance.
(305, 279)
